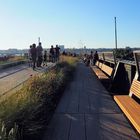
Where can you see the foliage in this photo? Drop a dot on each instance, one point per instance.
(126, 54)
(11, 135)
(32, 107)
(16, 58)
(9, 59)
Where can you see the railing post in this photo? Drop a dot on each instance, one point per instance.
(137, 63)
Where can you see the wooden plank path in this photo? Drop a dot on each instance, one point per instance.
(87, 112)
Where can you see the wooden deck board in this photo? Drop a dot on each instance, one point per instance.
(130, 108)
(103, 104)
(87, 112)
(108, 127)
(59, 127)
(77, 131)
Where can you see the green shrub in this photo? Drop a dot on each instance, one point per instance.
(124, 54)
(32, 107)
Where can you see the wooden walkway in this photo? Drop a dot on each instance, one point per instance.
(87, 112)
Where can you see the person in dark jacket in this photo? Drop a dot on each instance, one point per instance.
(96, 57)
(57, 52)
(34, 55)
(30, 57)
(91, 58)
(52, 53)
(39, 54)
(45, 58)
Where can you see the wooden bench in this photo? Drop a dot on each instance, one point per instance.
(102, 70)
(129, 105)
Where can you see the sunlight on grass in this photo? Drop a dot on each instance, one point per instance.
(34, 103)
(12, 59)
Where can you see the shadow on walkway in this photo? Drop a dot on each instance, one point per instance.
(87, 112)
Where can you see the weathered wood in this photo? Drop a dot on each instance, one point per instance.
(108, 127)
(131, 109)
(129, 106)
(102, 70)
(99, 73)
(87, 112)
(135, 88)
(77, 130)
(100, 65)
(102, 103)
(84, 104)
(59, 127)
(97, 63)
(108, 70)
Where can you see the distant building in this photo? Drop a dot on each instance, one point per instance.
(62, 48)
(128, 48)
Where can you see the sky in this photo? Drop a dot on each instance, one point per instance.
(73, 23)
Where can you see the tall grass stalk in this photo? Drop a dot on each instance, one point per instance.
(32, 107)
(8, 135)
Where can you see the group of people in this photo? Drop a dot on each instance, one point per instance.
(54, 54)
(37, 57)
(91, 59)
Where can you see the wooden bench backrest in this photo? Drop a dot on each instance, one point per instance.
(97, 63)
(108, 70)
(100, 65)
(135, 88)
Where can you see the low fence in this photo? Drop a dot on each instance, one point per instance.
(11, 64)
(125, 71)
(137, 60)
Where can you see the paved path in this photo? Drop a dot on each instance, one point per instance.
(12, 70)
(87, 112)
(13, 77)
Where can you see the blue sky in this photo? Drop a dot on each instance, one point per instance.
(73, 23)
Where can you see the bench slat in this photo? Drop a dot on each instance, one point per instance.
(99, 73)
(108, 70)
(131, 109)
(97, 63)
(100, 65)
(135, 88)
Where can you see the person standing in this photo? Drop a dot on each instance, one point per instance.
(34, 55)
(52, 53)
(96, 57)
(91, 58)
(39, 54)
(30, 57)
(57, 52)
(45, 58)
